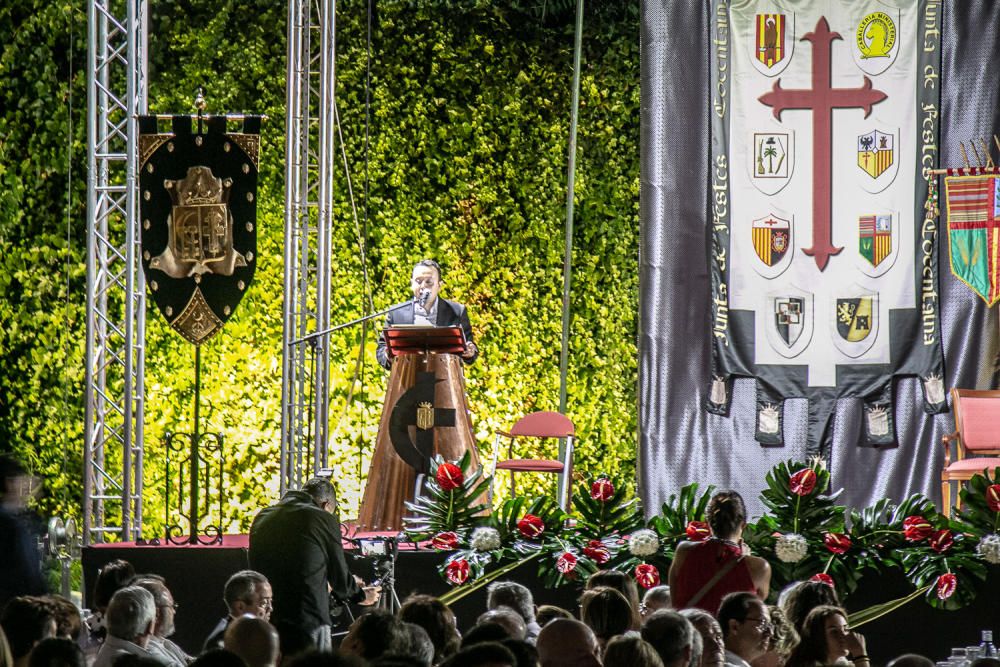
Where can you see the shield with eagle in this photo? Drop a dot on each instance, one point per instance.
(198, 205)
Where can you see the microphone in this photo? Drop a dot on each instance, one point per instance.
(424, 295)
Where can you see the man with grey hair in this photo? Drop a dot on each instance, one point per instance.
(129, 619)
(672, 636)
(246, 592)
(713, 652)
(517, 597)
(163, 625)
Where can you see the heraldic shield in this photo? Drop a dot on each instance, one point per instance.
(199, 217)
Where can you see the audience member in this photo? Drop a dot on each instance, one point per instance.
(26, 620)
(657, 597)
(217, 657)
(111, 578)
(704, 572)
(485, 632)
(607, 613)
(315, 658)
(69, 625)
(20, 563)
(622, 583)
(565, 642)
(915, 660)
(713, 652)
(418, 644)
(672, 636)
(132, 660)
(57, 652)
(254, 640)
(746, 628)
(130, 618)
(801, 597)
(631, 650)
(985, 662)
(246, 592)
(6, 657)
(163, 625)
(485, 654)
(511, 621)
(826, 639)
(525, 654)
(519, 598)
(437, 619)
(782, 637)
(548, 612)
(375, 633)
(397, 660)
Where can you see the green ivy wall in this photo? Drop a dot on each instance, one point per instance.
(466, 163)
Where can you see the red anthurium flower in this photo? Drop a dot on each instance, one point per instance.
(823, 578)
(838, 543)
(647, 575)
(457, 571)
(602, 490)
(566, 563)
(446, 541)
(597, 552)
(530, 526)
(449, 476)
(993, 497)
(697, 531)
(916, 528)
(941, 540)
(803, 482)
(946, 585)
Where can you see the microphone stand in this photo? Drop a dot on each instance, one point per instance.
(314, 336)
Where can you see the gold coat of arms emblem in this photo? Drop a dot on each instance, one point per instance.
(199, 218)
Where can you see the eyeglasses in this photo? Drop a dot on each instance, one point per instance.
(762, 624)
(173, 606)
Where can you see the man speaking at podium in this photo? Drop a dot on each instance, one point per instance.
(428, 310)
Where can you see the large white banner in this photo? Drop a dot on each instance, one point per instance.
(825, 115)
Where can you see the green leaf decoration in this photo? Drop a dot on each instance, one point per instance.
(976, 515)
(598, 519)
(675, 514)
(456, 510)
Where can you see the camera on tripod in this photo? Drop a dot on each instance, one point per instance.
(383, 551)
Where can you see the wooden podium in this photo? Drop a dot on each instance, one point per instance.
(427, 369)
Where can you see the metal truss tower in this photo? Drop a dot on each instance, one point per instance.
(116, 94)
(309, 172)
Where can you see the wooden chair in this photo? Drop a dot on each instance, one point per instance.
(538, 425)
(976, 438)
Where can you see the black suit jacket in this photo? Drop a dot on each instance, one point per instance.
(297, 546)
(449, 314)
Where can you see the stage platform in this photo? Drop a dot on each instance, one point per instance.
(196, 574)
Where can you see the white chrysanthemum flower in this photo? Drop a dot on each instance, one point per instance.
(791, 548)
(989, 548)
(644, 543)
(485, 539)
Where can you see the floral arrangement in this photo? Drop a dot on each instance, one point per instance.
(804, 534)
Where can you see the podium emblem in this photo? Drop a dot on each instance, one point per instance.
(425, 415)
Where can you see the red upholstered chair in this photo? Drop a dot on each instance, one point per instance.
(538, 425)
(976, 438)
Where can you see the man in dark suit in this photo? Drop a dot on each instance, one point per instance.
(296, 544)
(428, 309)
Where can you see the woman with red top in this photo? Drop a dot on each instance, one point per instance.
(702, 573)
